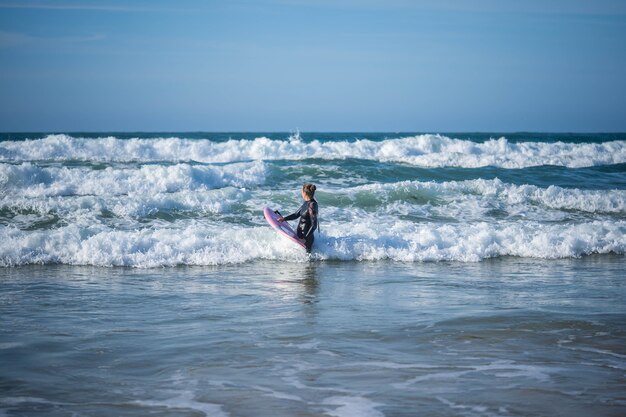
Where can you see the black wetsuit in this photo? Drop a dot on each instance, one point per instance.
(308, 222)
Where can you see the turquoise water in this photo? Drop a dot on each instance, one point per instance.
(148, 200)
(455, 274)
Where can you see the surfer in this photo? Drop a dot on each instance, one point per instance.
(308, 216)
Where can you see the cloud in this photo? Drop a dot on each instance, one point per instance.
(14, 39)
(539, 7)
(106, 7)
(11, 39)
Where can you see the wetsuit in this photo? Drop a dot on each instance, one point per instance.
(308, 222)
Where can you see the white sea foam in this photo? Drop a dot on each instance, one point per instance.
(29, 180)
(499, 369)
(204, 243)
(124, 211)
(22, 400)
(597, 351)
(393, 365)
(10, 345)
(81, 195)
(157, 215)
(553, 197)
(474, 410)
(131, 193)
(349, 406)
(421, 150)
(277, 394)
(185, 401)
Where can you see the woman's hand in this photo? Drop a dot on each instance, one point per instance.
(280, 219)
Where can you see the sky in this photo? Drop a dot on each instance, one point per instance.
(313, 65)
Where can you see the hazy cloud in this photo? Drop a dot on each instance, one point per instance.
(14, 39)
(106, 7)
(11, 39)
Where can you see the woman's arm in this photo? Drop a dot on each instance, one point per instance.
(292, 216)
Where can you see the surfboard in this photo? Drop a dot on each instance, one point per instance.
(283, 228)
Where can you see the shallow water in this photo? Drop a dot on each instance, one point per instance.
(502, 337)
(454, 275)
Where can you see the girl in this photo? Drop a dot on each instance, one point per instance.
(308, 216)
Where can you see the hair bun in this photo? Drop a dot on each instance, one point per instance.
(309, 189)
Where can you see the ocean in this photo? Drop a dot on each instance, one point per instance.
(454, 274)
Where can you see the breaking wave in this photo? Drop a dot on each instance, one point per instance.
(199, 243)
(422, 150)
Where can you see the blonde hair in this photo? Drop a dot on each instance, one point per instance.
(309, 190)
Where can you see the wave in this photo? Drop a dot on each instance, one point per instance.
(147, 215)
(125, 212)
(491, 192)
(29, 180)
(423, 150)
(199, 243)
(49, 198)
(186, 182)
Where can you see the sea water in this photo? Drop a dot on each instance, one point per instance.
(454, 274)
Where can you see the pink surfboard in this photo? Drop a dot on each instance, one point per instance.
(282, 227)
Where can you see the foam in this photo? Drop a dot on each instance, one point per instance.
(277, 394)
(349, 406)
(84, 210)
(474, 410)
(135, 194)
(488, 193)
(603, 352)
(10, 345)
(188, 214)
(393, 365)
(83, 195)
(422, 150)
(22, 400)
(185, 401)
(499, 369)
(195, 242)
(29, 180)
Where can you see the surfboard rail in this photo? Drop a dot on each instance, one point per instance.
(283, 227)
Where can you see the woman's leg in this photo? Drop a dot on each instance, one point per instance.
(308, 243)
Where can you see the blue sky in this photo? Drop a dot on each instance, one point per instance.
(315, 65)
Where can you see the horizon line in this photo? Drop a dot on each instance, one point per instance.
(314, 131)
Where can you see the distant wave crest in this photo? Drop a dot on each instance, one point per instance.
(422, 150)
